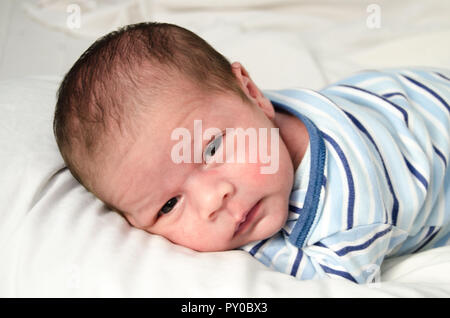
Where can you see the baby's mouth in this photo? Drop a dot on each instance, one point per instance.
(247, 219)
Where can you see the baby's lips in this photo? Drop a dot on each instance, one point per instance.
(238, 226)
(245, 217)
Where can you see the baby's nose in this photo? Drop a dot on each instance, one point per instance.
(214, 199)
(210, 196)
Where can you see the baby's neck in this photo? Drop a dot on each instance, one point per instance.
(294, 134)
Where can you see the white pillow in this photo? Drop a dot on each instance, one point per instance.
(57, 240)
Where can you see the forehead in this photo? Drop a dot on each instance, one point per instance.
(186, 103)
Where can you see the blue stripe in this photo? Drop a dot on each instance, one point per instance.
(294, 209)
(440, 154)
(362, 246)
(416, 173)
(297, 261)
(324, 183)
(428, 90)
(405, 114)
(320, 244)
(350, 183)
(395, 203)
(443, 76)
(394, 94)
(339, 273)
(431, 229)
(256, 248)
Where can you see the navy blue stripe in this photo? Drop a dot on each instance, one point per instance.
(440, 154)
(430, 230)
(295, 209)
(428, 90)
(443, 76)
(289, 220)
(348, 249)
(324, 183)
(394, 94)
(297, 261)
(416, 173)
(339, 273)
(256, 248)
(395, 203)
(350, 183)
(405, 114)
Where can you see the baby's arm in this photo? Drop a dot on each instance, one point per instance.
(355, 254)
(401, 119)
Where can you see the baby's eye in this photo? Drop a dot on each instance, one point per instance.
(212, 148)
(168, 206)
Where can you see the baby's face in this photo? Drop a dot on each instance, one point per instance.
(207, 205)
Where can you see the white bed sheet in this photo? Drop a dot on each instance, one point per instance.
(58, 240)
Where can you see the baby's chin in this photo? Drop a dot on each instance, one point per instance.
(236, 244)
(213, 248)
(220, 247)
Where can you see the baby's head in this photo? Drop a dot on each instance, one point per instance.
(122, 110)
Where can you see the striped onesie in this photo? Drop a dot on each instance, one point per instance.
(374, 182)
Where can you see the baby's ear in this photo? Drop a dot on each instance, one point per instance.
(244, 80)
(251, 90)
(241, 75)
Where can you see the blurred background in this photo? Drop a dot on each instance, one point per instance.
(282, 43)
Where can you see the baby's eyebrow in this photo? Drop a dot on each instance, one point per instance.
(153, 197)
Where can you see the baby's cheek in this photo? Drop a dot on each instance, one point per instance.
(201, 239)
(255, 176)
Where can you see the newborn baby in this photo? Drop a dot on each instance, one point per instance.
(165, 131)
